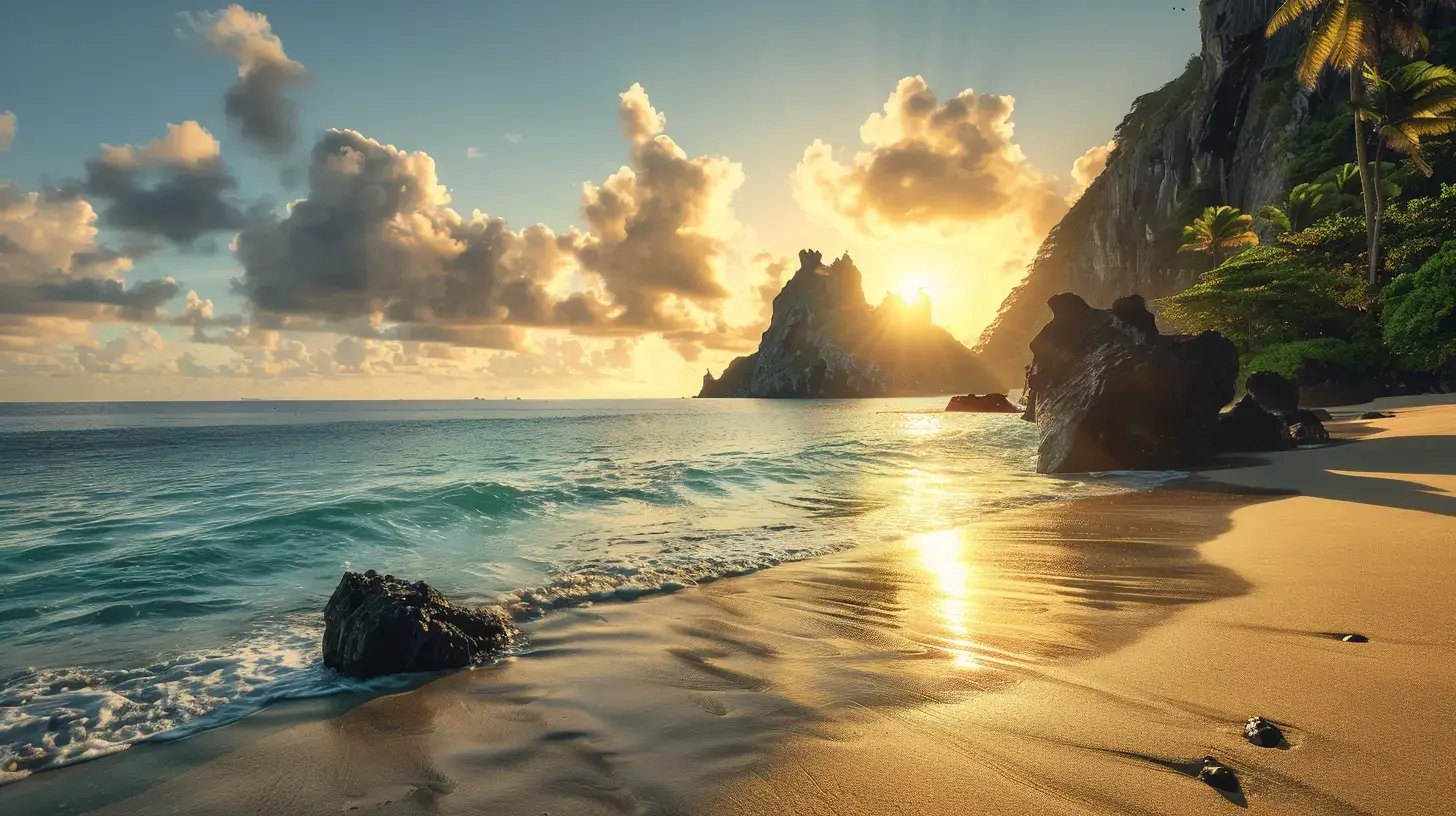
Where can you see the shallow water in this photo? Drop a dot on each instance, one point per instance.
(163, 566)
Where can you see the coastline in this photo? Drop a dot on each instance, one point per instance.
(1132, 633)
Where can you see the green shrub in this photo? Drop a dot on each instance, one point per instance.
(1420, 311)
(1263, 296)
(1292, 359)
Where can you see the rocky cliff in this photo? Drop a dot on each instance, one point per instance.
(1222, 133)
(825, 340)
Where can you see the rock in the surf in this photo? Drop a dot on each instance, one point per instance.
(988, 404)
(378, 624)
(1108, 392)
(1262, 732)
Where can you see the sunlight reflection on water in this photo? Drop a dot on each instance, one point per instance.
(942, 554)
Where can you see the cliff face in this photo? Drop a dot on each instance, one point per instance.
(1196, 142)
(825, 340)
(1202, 139)
(1218, 134)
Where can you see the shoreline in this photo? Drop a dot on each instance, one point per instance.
(833, 685)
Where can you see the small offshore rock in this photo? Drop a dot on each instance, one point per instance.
(1354, 637)
(988, 404)
(1262, 732)
(1215, 774)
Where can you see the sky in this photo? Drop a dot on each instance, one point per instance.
(552, 199)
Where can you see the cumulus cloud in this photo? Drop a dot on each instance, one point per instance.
(473, 153)
(139, 302)
(7, 129)
(258, 104)
(175, 187)
(1088, 167)
(122, 355)
(930, 164)
(376, 236)
(513, 138)
(54, 277)
(563, 360)
(657, 228)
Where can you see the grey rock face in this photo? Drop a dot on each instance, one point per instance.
(1200, 140)
(376, 625)
(825, 341)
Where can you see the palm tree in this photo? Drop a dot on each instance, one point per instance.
(1405, 106)
(1305, 205)
(1217, 230)
(1409, 104)
(1348, 36)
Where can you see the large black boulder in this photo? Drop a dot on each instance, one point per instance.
(1108, 392)
(988, 404)
(1272, 391)
(1248, 428)
(376, 625)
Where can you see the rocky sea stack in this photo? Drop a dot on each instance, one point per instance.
(378, 624)
(825, 340)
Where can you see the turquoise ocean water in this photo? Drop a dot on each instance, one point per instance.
(164, 566)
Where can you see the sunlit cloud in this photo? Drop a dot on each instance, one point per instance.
(8, 124)
(258, 104)
(1088, 167)
(926, 163)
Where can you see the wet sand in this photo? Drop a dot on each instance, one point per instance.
(1066, 658)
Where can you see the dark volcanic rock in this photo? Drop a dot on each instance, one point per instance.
(1262, 732)
(1376, 415)
(1215, 774)
(1273, 392)
(1250, 429)
(376, 625)
(1107, 392)
(1352, 637)
(989, 404)
(825, 340)
(1309, 433)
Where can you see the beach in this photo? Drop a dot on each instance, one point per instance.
(1088, 665)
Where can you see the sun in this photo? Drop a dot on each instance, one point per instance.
(915, 284)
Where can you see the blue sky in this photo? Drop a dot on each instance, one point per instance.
(753, 81)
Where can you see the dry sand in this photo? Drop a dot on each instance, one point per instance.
(1069, 658)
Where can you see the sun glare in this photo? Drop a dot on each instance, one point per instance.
(912, 286)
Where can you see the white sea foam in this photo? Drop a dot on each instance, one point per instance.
(55, 717)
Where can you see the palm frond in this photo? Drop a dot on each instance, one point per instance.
(1399, 27)
(1323, 41)
(1358, 41)
(1291, 11)
(1430, 126)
